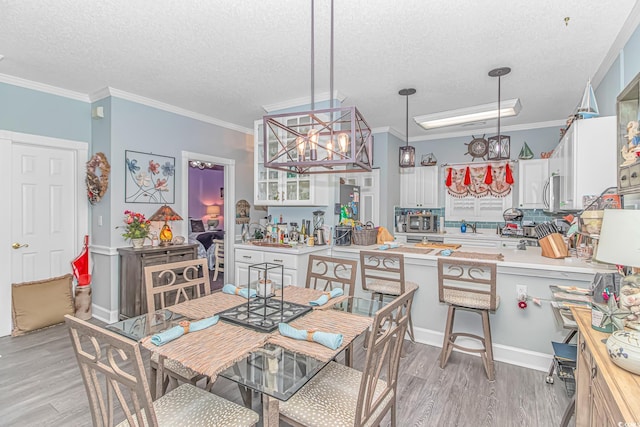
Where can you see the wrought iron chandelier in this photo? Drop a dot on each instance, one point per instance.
(329, 140)
(499, 145)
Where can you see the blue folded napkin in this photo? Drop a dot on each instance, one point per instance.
(324, 297)
(383, 247)
(327, 339)
(446, 252)
(177, 331)
(233, 290)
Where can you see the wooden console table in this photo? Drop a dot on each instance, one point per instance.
(133, 296)
(606, 395)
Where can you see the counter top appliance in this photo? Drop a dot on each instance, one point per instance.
(422, 223)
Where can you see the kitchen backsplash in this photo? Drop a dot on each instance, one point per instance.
(535, 215)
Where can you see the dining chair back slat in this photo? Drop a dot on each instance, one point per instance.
(327, 273)
(218, 254)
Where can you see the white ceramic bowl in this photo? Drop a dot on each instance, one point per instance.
(624, 350)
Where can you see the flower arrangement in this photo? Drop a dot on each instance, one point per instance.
(137, 226)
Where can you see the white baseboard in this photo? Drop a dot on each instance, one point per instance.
(501, 353)
(107, 316)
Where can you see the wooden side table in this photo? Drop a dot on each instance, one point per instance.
(133, 296)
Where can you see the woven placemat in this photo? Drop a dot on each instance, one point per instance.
(474, 255)
(207, 306)
(304, 295)
(211, 350)
(349, 325)
(411, 250)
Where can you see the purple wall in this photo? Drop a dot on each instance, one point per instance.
(204, 190)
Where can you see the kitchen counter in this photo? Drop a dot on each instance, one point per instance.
(295, 250)
(521, 337)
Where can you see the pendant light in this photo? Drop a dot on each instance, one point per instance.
(407, 153)
(499, 145)
(330, 140)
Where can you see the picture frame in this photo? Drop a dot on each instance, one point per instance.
(149, 178)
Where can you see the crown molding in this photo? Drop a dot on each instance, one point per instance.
(117, 93)
(42, 87)
(627, 30)
(305, 100)
(469, 132)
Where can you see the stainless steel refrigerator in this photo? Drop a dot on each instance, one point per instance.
(349, 202)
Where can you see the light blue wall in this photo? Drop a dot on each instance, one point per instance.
(30, 111)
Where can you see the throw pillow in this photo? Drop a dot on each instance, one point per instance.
(197, 226)
(42, 303)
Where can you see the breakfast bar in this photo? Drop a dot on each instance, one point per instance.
(520, 336)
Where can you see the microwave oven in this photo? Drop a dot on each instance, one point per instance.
(422, 223)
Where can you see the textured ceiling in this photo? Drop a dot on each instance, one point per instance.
(228, 59)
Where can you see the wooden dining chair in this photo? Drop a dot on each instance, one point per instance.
(340, 395)
(167, 285)
(218, 253)
(382, 274)
(327, 273)
(112, 370)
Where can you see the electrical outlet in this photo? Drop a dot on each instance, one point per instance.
(521, 291)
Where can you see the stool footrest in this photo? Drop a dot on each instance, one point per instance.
(455, 335)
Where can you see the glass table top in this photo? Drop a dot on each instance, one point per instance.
(145, 325)
(275, 371)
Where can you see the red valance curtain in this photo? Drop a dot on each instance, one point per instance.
(479, 179)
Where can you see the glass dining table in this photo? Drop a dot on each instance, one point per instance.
(272, 370)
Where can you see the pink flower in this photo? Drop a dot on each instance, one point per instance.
(154, 168)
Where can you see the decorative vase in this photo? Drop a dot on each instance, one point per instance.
(137, 243)
(624, 350)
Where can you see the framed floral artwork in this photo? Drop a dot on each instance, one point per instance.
(149, 178)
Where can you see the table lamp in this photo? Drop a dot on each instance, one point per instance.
(213, 211)
(619, 243)
(165, 213)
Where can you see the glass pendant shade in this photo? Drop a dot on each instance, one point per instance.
(499, 147)
(407, 156)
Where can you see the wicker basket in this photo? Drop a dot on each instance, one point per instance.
(365, 237)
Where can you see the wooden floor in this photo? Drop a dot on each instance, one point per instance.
(40, 385)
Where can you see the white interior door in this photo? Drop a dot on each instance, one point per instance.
(48, 211)
(43, 209)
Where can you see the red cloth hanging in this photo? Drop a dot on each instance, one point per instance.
(488, 179)
(509, 176)
(467, 177)
(448, 182)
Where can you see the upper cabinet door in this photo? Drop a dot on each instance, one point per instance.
(419, 187)
(532, 178)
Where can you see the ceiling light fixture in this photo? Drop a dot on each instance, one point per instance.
(407, 153)
(499, 145)
(476, 113)
(330, 140)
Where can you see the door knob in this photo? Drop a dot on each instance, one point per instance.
(17, 245)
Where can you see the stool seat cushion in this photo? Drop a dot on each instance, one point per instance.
(388, 287)
(330, 398)
(469, 299)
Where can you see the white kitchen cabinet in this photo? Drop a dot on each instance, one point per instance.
(369, 183)
(294, 262)
(278, 188)
(533, 175)
(419, 187)
(585, 159)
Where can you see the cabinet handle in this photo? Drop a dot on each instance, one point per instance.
(247, 256)
(582, 346)
(283, 196)
(634, 175)
(277, 260)
(594, 372)
(623, 178)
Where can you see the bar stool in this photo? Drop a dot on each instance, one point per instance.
(382, 274)
(471, 286)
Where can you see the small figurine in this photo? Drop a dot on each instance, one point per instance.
(631, 151)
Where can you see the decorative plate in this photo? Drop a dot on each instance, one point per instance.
(478, 148)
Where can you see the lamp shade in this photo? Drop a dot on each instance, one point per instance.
(213, 210)
(619, 241)
(165, 213)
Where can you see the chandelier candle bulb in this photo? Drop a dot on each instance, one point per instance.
(329, 150)
(313, 144)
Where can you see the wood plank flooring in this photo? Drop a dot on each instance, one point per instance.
(40, 385)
